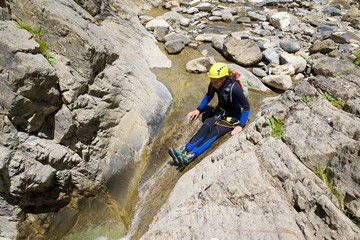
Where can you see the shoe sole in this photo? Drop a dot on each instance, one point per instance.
(171, 152)
(180, 161)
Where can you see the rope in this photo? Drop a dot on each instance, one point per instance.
(227, 124)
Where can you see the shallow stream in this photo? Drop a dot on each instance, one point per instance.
(159, 176)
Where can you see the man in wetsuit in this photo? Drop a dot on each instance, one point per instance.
(231, 114)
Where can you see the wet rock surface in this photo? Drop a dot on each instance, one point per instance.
(73, 107)
(75, 117)
(303, 183)
(256, 185)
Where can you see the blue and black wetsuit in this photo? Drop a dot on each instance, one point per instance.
(232, 101)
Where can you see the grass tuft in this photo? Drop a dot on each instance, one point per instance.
(306, 99)
(30, 28)
(336, 102)
(320, 172)
(43, 47)
(357, 57)
(276, 127)
(116, 7)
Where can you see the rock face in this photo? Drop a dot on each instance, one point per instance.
(78, 103)
(259, 186)
(73, 103)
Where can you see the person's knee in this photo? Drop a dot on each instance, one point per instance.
(210, 121)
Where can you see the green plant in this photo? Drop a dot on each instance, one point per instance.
(357, 57)
(115, 6)
(306, 99)
(336, 102)
(43, 48)
(352, 216)
(276, 125)
(44, 51)
(171, 20)
(30, 28)
(320, 172)
(79, 2)
(50, 57)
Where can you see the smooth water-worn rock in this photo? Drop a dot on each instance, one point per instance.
(73, 114)
(78, 115)
(218, 198)
(255, 178)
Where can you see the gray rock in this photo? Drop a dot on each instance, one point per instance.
(244, 20)
(13, 39)
(256, 16)
(281, 82)
(227, 16)
(344, 37)
(280, 20)
(218, 42)
(192, 10)
(259, 72)
(83, 101)
(304, 88)
(64, 126)
(286, 69)
(174, 46)
(330, 67)
(178, 37)
(152, 24)
(160, 33)
(332, 11)
(324, 46)
(200, 65)
(297, 61)
(272, 56)
(35, 177)
(71, 83)
(353, 106)
(344, 166)
(289, 46)
(324, 32)
(340, 87)
(354, 207)
(208, 37)
(171, 15)
(8, 218)
(205, 6)
(244, 52)
(75, 27)
(30, 89)
(253, 82)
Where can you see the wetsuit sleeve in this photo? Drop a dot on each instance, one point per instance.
(206, 99)
(244, 104)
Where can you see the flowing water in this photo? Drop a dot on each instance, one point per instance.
(159, 176)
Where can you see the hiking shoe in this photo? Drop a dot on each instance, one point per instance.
(174, 155)
(186, 159)
(182, 151)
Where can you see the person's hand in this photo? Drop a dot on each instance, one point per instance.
(193, 115)
(236, 130)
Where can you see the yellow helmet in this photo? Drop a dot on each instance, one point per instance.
(218, 70)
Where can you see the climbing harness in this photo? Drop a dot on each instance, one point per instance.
(228, 122)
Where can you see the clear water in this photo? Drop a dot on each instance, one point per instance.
(159, 177)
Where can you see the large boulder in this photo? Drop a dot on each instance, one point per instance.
(244, 52)
(70, 126)
(30, 90)
(74, 27)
